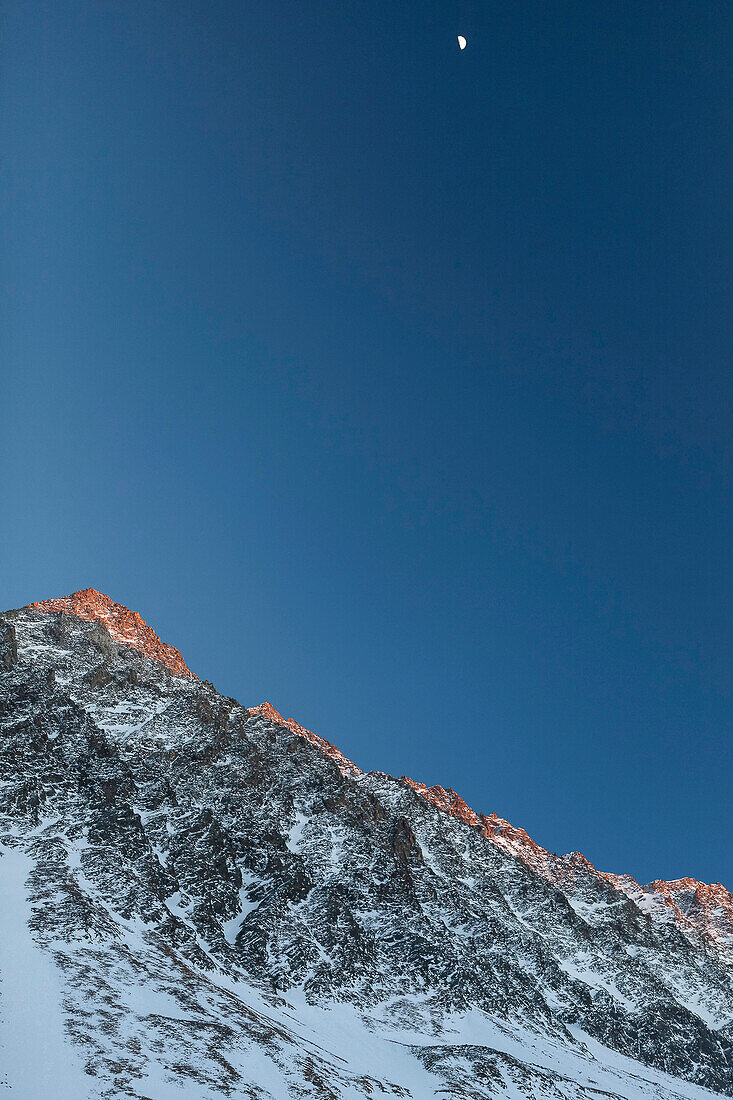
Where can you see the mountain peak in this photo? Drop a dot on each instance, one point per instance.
(124, 626)
(160, 842)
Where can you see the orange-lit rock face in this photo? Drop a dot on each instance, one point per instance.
(491, 825)
(266, 710)
(124, 626)
(685, 900)
(709, 907)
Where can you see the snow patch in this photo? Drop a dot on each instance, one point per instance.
(37, 1060)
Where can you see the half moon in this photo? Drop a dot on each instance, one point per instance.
(461, 42)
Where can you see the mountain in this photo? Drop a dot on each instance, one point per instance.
(202, 900)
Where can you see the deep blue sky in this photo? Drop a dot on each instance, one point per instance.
(393, 384)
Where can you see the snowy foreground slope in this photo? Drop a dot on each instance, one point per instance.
(200, 901)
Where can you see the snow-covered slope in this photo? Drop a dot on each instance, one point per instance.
(199, 900)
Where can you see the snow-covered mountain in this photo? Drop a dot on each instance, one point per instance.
(201, 900)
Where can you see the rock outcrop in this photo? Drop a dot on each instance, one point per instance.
(123, 625)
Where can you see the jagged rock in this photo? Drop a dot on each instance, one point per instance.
(234, 909)
(8, 646)
(404, 845)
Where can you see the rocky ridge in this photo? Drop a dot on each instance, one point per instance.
(233, 908)
(709, 908)
(123, 625)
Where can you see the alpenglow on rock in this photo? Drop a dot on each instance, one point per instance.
(201, 900)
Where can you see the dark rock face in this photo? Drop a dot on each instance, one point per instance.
(211, 880)
(8, 646)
